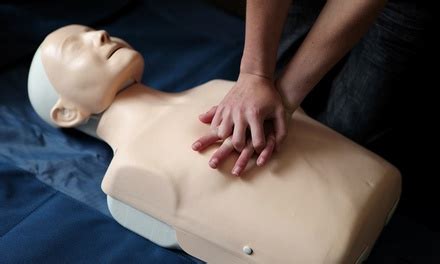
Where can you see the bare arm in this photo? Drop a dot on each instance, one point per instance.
(339, 26)
(264, 23)
(254, 99)
(251, 101)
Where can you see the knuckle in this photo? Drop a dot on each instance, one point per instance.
(283, 135)
(254, 111)
(271, 138)
(219, 108)
(228, 142)
(221, 134)
(259, 144)
(238, 145)
(238, 113)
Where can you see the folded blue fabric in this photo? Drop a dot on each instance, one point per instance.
(41, 225)
(184, 43)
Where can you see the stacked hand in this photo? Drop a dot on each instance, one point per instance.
(250, 119)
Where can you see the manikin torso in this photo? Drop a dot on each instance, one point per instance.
(322, 199)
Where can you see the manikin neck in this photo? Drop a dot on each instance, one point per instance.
(92, 123)
(90, 126)
(117, 122)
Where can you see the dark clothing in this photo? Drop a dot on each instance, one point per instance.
(359, 95)
(379, 96)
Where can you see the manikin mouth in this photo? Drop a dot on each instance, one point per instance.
(113, 51)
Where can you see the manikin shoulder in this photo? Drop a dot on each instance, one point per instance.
(132, 179)
(216, 84)
(212, 91)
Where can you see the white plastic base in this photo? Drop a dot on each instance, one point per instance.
(142, 224)
(164, 235)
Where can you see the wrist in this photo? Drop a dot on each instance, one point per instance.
(253, 81)
(244, 73)
(257, 66)
(291, 98)
(289, 107)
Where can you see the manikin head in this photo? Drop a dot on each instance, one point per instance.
(77, 72)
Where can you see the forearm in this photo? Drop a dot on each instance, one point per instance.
(339, 26)
(264, 23)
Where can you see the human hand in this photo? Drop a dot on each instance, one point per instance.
(251, 101)
(227, 148)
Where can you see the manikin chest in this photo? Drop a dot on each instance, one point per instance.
(308, 205)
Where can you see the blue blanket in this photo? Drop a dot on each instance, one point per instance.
(52, 208)
(42, 225)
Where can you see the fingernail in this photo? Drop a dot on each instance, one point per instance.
(260, 161)
(196, 145)
(236, 170)
(213, 163)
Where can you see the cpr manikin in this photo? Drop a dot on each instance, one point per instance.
(322, 199)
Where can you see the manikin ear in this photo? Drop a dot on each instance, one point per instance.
(65, 115)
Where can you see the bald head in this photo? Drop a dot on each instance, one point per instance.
(77, 71)
(42, 94)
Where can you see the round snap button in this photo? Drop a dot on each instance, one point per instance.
(247, 250)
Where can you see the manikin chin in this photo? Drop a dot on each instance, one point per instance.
(322, 199)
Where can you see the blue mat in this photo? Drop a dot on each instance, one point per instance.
(52, 209)
(41, 225)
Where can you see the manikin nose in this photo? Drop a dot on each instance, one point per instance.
(99, 37)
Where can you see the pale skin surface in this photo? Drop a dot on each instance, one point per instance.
(319, 180)
(73, 47)
(84, 54)
(257, 97)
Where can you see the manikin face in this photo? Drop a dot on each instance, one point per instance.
(87, 68)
